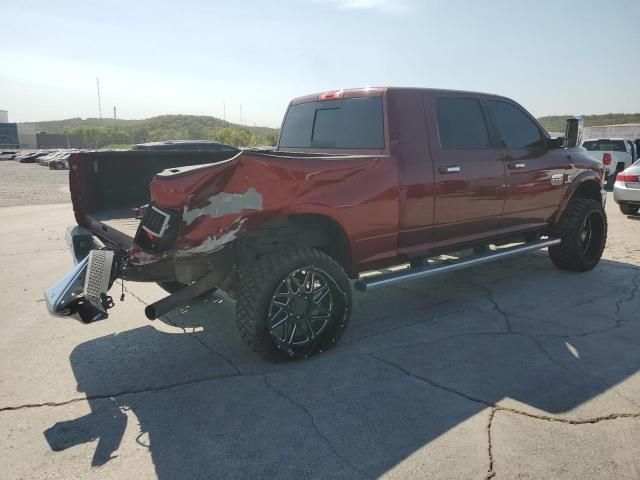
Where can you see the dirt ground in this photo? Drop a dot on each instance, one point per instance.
(32, 184)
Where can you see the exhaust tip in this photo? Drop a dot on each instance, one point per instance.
(150, 312)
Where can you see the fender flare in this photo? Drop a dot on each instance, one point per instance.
(582, 182)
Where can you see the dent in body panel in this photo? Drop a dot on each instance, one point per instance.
(224, 203)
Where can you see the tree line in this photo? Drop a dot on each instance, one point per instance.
(100, 133)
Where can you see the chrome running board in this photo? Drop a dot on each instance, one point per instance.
(393, 278)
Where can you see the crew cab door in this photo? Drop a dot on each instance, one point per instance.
(469, 177)
(536, 174)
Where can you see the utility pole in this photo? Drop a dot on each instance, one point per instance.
(99, 106)
(240, 114)
(115, 117)
(224, 111)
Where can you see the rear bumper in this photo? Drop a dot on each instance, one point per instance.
(622, 194)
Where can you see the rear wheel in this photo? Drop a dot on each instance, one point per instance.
(293, 303)
(583, 230)
(627, 209)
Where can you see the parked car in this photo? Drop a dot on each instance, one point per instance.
(361, 180)
(616, 154)
(8, 154)
(626, 190)
(61, 162)
(30, 157)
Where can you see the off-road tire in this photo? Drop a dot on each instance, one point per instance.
(258, 285)
(627, 209)
(568, 255)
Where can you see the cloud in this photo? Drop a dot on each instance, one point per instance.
(385, 6)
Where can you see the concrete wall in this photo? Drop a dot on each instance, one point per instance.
(27, 136)
(629, 130)
(54, 140)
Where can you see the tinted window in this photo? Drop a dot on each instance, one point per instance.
(340, 124)
(516, 129)
(605, 145)
(461, 123)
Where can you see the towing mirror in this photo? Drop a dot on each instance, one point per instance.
(573, 132)
(555, 142)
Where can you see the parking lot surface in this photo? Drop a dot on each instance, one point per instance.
(511, 370)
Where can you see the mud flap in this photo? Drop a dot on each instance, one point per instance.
(82, 292)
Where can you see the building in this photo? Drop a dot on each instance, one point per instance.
(4, 116)
(9, 135)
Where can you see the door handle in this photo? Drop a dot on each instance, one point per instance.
(449, 169)
(514, 165)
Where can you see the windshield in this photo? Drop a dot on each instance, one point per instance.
(352, 123)
(605, 145)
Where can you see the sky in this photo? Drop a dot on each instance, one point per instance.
(210, 57)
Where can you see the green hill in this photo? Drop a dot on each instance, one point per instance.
(557, 123)
(104, 132)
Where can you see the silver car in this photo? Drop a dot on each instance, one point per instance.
(626, 190)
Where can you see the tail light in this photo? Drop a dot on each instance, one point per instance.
(627, 178)
(606, 159)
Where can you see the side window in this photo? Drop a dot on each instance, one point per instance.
(461, 123)
(516, 129)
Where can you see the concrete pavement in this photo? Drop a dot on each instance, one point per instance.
(509, 370)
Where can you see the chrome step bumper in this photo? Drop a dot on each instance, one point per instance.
(393, 278)
(82, 292)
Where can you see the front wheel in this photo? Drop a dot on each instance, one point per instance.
(583, 230)
(627, 209)
(293, 303)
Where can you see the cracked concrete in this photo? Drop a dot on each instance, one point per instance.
(512, 370)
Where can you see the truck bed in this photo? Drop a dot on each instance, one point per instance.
(122, 220)
(114, 183)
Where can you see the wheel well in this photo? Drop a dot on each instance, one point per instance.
(310, 230)
(589, 189)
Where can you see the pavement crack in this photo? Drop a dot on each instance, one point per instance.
(194, 336)
(497, 308)
(491, 470)
(515, 411)
(315, 427)
(132, 391)
(635, 281)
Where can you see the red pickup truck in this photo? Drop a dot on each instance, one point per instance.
(360, 180)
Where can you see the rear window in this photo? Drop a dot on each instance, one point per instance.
(605, 145)
(461, 123)
(351, 123)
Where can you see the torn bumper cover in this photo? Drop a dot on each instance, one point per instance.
(82, 292)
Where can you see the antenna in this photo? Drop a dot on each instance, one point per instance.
(99, 106)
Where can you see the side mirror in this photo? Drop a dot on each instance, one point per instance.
(573, 132)
(555, 142)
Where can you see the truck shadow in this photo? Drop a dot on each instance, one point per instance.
(419, 361)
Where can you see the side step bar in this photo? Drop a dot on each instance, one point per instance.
(393, 278)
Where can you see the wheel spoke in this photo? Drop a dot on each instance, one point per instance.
(320, 294)
(293, 332)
